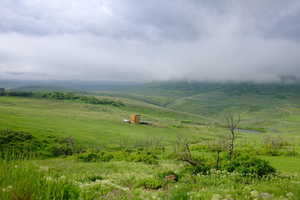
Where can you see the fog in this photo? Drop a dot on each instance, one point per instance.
(158, 40)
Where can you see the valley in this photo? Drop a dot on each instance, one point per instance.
(87, 147)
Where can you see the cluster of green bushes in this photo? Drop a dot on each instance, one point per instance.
(20, 142)
(249, 165)
(243, 164)
(64, 96)
(138, 155)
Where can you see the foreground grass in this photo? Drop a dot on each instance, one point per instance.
(67, 178)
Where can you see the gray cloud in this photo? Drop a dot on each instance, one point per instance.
(149, 40)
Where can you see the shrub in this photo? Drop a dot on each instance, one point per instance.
(169, 176)
(145, 157)
(95, 157)
(93, 178)
(250, 165)
(88, 157)
(126, 155)
(18, 141)
(105, 156)
(198, 169)
(120, 155)
(63, 147)
(151, 183)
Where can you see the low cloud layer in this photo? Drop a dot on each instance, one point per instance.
(133, 40)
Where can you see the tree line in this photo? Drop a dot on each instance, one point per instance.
(64, 96)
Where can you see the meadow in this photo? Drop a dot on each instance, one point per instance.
(86, 151)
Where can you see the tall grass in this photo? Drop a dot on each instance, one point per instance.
(22, 180)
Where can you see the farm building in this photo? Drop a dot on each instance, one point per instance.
(135, 119)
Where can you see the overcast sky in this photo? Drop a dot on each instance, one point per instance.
(145, 40)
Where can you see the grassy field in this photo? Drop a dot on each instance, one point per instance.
(94, 124)
(128, 175)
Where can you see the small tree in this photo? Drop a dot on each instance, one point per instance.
(232, 124)
(182, 149)
(219, 146)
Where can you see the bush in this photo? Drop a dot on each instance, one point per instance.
(105, 156)
(199, 169)
(168, 176)
(63, 147)
(23, 142)
(94, 178)
(18, 141)
(151, 183)
(126, 155)
(95, 157)
(142, 156)
(88, 157)
(249, 165)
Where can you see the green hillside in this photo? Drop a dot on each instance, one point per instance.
(62, 145)
(93, 124)
(273, 107)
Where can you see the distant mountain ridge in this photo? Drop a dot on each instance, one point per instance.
(169, 88)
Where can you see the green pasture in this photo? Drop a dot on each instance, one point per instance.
(94, 124)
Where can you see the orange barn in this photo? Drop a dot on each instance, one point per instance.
(135, 119)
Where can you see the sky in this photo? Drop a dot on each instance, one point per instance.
(149, 40)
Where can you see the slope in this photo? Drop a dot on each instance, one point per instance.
(95, 124)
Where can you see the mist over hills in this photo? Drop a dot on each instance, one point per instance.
(158, 88)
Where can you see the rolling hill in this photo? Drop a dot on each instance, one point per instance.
(117, 160)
